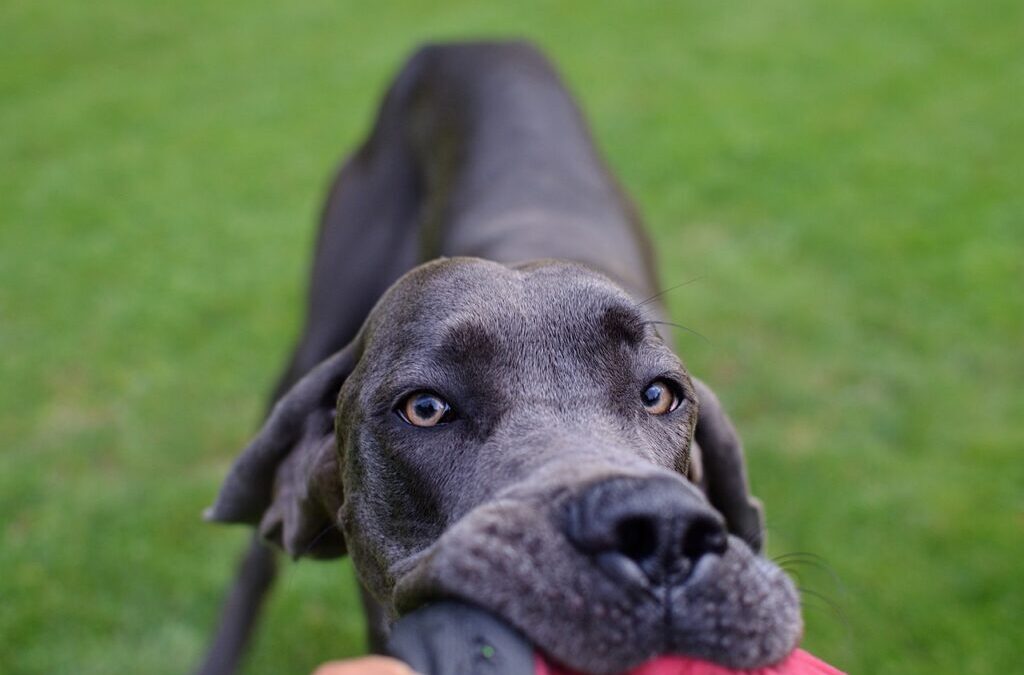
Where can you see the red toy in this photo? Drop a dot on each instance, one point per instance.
(797, 663)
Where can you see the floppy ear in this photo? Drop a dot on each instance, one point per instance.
(287, 481)
(724, 470)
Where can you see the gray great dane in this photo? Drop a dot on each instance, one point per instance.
(484, 404)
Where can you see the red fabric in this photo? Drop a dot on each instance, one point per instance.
(797, 663)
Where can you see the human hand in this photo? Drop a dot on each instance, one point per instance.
(368, 665)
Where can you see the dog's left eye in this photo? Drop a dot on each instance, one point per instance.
(660, 397)
(424, 409)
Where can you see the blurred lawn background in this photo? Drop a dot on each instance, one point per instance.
(846, 176)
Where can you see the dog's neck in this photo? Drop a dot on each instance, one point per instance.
(512, 173)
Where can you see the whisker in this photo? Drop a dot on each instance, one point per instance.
(835, 608)
(814, 600)
(669, 289)
(799, 576)
(806, 554)
(788, 560)
(678, 325)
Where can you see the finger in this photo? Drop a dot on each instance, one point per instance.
(369, 665)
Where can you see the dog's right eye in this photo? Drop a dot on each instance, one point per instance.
(660, 397)
(424, 409)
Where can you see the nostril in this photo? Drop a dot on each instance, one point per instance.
(704, 536)
(643, 532)
(636, 538)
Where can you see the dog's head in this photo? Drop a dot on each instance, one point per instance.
(516, 438)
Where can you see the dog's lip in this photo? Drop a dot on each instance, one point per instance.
(413, 589)
(409, 599)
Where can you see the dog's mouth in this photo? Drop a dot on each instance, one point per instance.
(735, 609)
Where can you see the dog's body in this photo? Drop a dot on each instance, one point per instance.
(539, 330)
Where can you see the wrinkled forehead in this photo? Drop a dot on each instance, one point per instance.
(471, 304)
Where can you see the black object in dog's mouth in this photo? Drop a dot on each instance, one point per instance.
(449, 637)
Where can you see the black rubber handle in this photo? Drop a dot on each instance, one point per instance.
(453, 638)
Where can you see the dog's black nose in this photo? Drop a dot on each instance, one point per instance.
(645, 531)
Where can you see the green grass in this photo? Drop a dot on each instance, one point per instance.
(847, 176)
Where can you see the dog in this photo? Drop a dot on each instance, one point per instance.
(485, 405)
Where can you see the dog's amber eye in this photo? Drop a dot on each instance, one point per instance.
(659, 397)
(424, 409)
